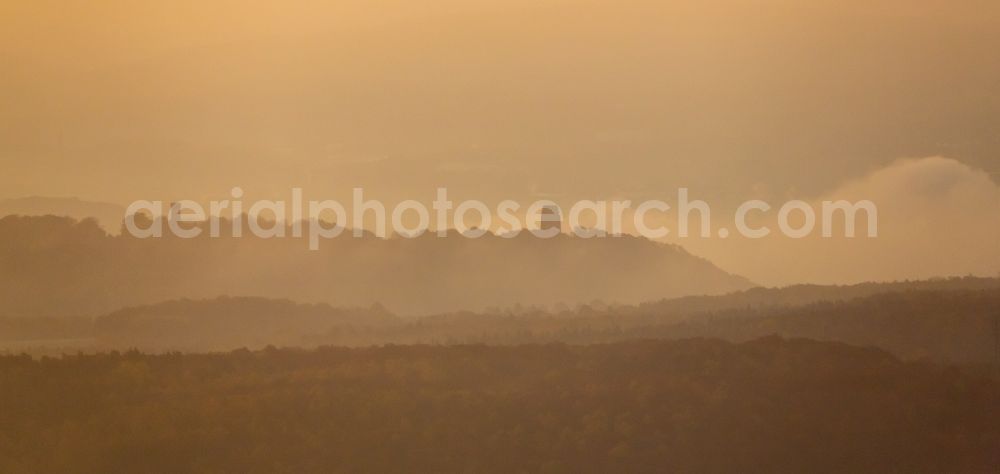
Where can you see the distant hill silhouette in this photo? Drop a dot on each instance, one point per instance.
(229, 323)
(798, 295)
(949, 321)
(52, 266)
(109, 216)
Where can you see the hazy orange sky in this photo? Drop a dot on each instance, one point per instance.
(116, 101)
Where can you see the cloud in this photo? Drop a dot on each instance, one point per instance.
(937, 217)
(937, 182)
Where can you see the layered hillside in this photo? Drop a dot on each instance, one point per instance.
(53, 266)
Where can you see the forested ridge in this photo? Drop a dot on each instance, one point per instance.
(945, 324)
(768, 405)
(57, 266)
